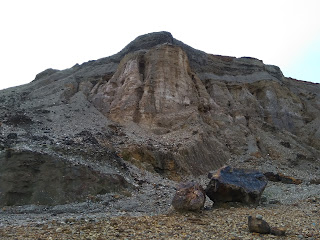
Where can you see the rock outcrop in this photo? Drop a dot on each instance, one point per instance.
(28, 177)
(170, 109)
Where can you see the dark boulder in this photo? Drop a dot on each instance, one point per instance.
(236, 185)
(189, 196)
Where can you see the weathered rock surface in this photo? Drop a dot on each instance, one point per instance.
(236, 185)
(169, 109)
(190, 196)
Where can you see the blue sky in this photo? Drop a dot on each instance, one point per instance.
(37, 34)
(306, 66)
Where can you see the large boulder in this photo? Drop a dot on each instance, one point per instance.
(189, 196)
(236, 185)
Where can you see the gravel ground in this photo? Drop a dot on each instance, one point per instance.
(300, 220)
(146, 214)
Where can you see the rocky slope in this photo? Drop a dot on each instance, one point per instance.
(160, 105)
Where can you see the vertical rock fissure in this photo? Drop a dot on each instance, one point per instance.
(139, 90)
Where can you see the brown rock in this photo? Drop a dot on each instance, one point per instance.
(289, 179)
(258, 225)
(279, 177)
(189, 196)
(278, 231)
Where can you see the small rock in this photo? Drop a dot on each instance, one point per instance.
(12, 136)
(59, 230)
(315, 181)
(258, 225)
(309, 234)
(278, 231)
(274, 201)
(279, 177)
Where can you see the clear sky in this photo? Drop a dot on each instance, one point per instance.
(36, 35)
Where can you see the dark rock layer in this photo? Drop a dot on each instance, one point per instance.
(33, 178)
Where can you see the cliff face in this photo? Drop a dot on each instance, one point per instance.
(155, 89)
(167, 108)
(222, 106)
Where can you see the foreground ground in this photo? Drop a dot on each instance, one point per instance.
(302, 221)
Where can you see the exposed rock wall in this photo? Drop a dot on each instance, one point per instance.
(236, 102)
(154, 89)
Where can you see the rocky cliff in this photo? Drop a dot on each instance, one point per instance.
(160, 105)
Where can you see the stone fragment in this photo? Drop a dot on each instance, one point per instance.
(12, 136)
(258, 225)
(274, 201)
(279, 177)
(272, 176)
(236, 185)
(289, 179)
(190, 196)
(278, 231)
(315, 181)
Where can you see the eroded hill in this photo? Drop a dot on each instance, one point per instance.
(160, 105)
